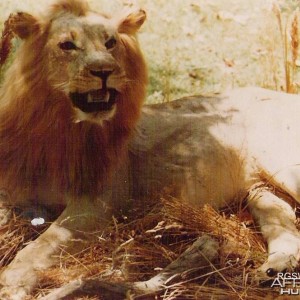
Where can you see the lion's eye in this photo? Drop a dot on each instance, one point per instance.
(111, 43)
(67, 45)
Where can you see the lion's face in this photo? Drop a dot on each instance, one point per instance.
(73, 65)
(86, 63)
(89, 59)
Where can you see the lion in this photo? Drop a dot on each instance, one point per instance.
(73, 133)
(69, 105)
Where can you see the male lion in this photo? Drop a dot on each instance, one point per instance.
(68, 107)
(69, 104)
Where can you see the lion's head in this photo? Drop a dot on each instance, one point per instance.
(72, 96)
(90, 59)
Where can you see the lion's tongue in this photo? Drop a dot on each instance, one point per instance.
(98, 96)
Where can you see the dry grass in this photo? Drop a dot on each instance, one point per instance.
(136, 247)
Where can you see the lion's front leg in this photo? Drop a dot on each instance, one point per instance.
(21, 275)
(67, 234)
(276, 219)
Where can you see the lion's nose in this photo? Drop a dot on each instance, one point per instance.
(100, 64)
(102, 74)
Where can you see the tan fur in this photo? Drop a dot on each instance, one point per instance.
(77, 8)
(218, 150)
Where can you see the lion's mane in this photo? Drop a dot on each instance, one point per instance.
(39, 140)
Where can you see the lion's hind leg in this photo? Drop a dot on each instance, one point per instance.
(276, 219)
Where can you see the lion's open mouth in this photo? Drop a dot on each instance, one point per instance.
(94, 100)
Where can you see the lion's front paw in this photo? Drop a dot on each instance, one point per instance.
(17, 281)
(284, 253)
(13, 293)
(279, 262)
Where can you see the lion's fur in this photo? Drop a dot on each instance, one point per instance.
(39, 140)
(78, 8)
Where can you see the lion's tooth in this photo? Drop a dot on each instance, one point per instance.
(90, 98)
(107, 96)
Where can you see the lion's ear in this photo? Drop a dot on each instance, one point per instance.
(132, 23)
(23, 25)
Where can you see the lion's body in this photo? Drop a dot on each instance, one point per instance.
(190, 152)
(219, 150)
(213, 149)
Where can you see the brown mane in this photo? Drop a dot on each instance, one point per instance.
(38, 138)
